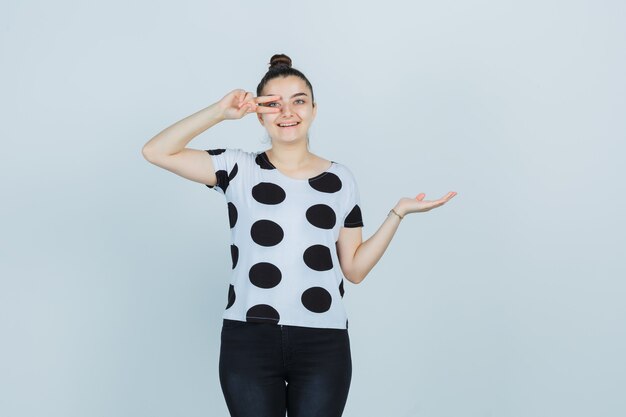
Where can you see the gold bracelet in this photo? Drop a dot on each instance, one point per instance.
(394, 212)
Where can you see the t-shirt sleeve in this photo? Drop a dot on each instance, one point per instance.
(353, 217)
(226, 163)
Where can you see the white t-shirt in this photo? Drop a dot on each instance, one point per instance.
(285, 267)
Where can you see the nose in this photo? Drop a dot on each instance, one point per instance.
(286, 109)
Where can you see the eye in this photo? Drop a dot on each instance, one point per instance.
(270, 104)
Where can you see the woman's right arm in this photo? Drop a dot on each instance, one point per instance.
(168, 148)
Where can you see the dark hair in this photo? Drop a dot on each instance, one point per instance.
(280, 66)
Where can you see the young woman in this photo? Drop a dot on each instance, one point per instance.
(295, 235)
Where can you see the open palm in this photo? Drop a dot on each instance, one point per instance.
(418, 204)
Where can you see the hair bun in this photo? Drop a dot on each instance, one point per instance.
(279, 60)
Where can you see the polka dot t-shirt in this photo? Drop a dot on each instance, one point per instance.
(285, 267)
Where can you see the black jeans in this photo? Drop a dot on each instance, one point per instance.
(267, 370)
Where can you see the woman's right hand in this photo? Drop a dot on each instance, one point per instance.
(238, 103)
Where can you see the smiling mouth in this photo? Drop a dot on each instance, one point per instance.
(287, 127)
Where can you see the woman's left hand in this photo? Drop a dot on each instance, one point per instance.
(418, 204)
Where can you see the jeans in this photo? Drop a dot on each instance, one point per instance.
(267, 370)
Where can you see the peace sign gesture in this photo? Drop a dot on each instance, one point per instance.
(418, 204)
(238, 103)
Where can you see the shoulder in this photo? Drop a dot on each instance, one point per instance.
(232, 151)
(344, 172)
(232, 154)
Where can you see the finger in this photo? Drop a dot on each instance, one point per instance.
(440, 202)
(265, 99)
(245, 99)
(420, 196)
(247, 104)
(264, 109)
(243, 110)
(247, 107)
(241, 97)
(434, 204)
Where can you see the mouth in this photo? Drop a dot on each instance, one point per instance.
(288, 125)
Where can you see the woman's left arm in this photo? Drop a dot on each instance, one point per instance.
(368, 253)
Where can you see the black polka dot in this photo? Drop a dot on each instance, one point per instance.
(231, 296)
(326, 182)
(341, 290)
(223, 178)
(265, 275)
(322, 216)
(262, 162)
(354, 218)
(234, 254)
(266, 233)
(316, 299)
(317, 257)
(262, 313)
(268, 193)
(232, 214)
(233, 173)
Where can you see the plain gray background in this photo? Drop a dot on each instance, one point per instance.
(507, 301)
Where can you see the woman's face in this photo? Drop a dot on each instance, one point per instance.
(295, 105)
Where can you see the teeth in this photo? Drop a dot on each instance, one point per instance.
(291, 124)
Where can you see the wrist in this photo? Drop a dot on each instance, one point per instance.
(396, 213)
(216, 112)
(400, 210)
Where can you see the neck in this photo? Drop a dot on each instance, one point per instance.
(290, 156)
